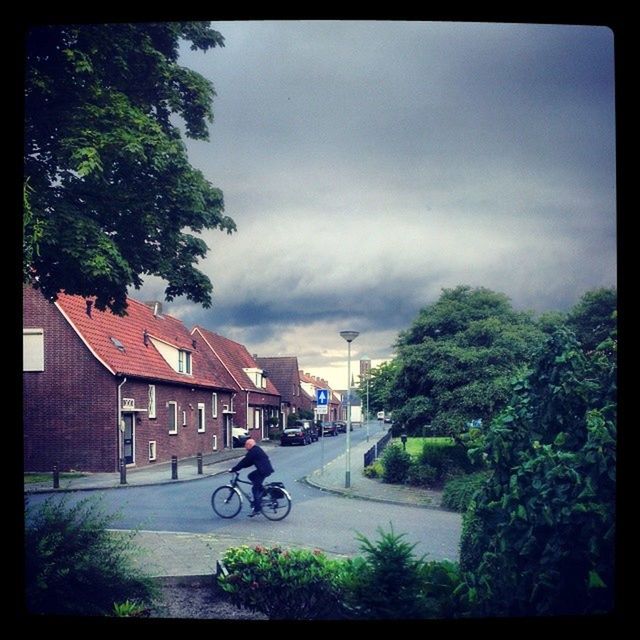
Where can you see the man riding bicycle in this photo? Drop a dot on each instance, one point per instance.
(255, 456)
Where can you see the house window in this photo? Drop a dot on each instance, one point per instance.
(201, 411)
(184, 362)
(214, 405)
(152, 450)
(184, 418)
(214, 443)
(152, 401)
(33, 350)
(173, 416)
(257, 419)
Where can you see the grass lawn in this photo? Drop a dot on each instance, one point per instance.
(33, 478)
(414, 445)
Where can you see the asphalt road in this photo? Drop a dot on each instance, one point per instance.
(317, 519)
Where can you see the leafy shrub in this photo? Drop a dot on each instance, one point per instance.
(292, 584)
(459, 491)
(75, 566)
(374, 470)
(540, 537)
(421, 475)
(391, 583)
(396, 463)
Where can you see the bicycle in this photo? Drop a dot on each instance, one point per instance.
(227, 500)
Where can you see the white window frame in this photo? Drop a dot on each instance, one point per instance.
(258, 417)
(33, 349)
(184, 361)
(172, 405)
(214, 405)
(201, 417)
(214, 443)
(151, 413)
(153, 450)
(184, 417)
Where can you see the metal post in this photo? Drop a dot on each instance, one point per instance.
(56, 477)
(347, 478)
(174, 467)
(199, 460)
(349, 336)
(123, 471)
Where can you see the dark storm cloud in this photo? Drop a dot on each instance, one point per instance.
(370, 164)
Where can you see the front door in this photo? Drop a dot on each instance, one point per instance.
(128, 437)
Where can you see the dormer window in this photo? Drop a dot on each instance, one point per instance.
(257, 377)
(184, 362)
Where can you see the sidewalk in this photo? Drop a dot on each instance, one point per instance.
(179, 557)
(212, 464)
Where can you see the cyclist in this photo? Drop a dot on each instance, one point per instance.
(255, 456)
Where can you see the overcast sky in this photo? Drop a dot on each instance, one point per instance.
(369, 164)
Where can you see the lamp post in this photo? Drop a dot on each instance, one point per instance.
(349, 336)
(367, 373)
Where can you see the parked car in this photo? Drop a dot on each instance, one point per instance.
(329, 429)
(342, 426)
(310, 428)
(239, 436)
(294, 435)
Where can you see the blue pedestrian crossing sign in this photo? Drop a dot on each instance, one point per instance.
(322, 397)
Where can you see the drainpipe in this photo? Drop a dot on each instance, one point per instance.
(122, 465)
(246, 420)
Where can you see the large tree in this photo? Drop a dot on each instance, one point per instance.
(456, 361)
(109, 192)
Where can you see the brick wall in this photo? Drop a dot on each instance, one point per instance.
(187, 442)
(69, 409)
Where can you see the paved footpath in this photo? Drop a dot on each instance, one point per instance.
(183, 556)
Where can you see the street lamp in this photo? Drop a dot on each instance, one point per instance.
(349, 336)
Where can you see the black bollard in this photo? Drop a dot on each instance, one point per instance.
(199, 460)
(174, 467)
(123, 472)
(403, 437)
(56, 477)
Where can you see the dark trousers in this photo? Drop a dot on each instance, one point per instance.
(256, 486)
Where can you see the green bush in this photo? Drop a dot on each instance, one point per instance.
(421, 475)
(391, 583)
(540, 538)
(292, 584)
(374, 470)
(459, 491)
(75, 566)
(395, 463)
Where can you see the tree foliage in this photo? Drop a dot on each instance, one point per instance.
(456, 361)
(539, 539)
(380, 387)
(110, 195)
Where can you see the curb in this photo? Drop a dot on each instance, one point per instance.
(344, 494)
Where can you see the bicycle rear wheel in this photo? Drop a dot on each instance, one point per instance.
(226, 501)
(276, 504)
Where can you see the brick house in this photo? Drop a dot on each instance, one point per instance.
(256, 399)
(98, 386)
(283, 372)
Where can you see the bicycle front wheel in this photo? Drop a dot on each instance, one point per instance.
(276, 504)
(226, 501)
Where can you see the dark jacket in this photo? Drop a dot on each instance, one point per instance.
(258, 458)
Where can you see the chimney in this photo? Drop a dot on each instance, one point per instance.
(155, 306)
(89, 305)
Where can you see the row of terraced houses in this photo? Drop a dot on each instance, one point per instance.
(98, 387)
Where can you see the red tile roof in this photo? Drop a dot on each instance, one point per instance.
(137, 358)
(235, 357)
